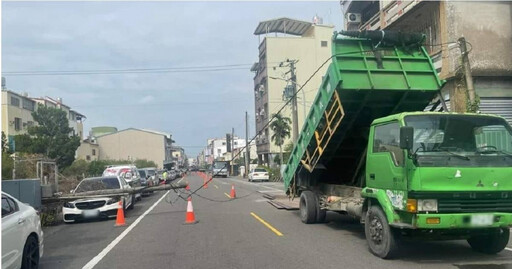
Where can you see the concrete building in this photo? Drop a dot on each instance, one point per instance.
(217, 148)
(102, 130)
(486, 25)
(17, 113)
(75, 119)
(178, 155)
(88, 150)
(305, 42)
(133, 144)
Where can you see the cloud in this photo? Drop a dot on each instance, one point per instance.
(128, 35)
(146, 99)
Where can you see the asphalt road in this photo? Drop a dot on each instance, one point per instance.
(245, 232)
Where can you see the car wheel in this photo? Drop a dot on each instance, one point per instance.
(30, 257)
(381, 238)
(133, 202)
(491, 243)
(307, 207)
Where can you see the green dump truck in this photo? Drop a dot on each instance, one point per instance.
(368, 149)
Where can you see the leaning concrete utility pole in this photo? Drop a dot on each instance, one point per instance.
(467, 74)
(247, 146)
(295, 117)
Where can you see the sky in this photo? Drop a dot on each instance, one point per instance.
(192, 106)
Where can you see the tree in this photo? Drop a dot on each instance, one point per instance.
(52, 136)
(5, 145)
(280, 126)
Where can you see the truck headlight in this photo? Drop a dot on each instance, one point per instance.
(427, 205)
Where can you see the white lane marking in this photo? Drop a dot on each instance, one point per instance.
(271, 191)
(181, 179)
(112, 244)
(252, 184)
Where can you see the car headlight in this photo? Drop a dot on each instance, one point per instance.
(69, 205)
(113, 200)
(427, 205)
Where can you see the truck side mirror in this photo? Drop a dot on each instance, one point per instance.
(406, 137)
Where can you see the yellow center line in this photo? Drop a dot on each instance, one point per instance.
(229, 196)
(216, 186)
(266, 224)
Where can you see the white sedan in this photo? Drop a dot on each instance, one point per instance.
(258, 174)
(100, 207)
(22, 236)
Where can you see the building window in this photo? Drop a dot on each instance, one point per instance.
(88, 157)
(323, 43)
(218, 151)
(17, 124)
(28, 105)
(223, 143)
(93, 152)
(15, 101)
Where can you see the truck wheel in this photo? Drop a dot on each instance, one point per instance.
(320, 213)
(491, 243)
(379, 235)
(307, 207)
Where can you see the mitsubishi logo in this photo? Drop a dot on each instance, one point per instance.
(480, 184)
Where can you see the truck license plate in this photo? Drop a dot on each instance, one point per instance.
(481, 220)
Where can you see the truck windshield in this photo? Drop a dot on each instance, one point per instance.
(219, 165)
(471, 137)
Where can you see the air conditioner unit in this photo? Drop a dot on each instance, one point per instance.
(354, 18)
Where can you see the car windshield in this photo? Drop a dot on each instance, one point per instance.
(260, 170)
(142, 173)
(95, 184)
(151, 172)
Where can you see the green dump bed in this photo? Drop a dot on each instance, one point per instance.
(353, 93)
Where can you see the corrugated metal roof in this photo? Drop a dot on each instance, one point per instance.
(283, 25)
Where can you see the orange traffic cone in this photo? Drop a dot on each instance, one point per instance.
(187, 187)
(190, 218)
(120, 215)
(233, 193)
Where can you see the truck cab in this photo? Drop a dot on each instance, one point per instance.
(446, 174)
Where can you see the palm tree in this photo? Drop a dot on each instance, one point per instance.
(280, 126)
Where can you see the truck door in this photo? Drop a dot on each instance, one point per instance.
(385, 158)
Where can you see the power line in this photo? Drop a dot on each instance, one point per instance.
(182, 69)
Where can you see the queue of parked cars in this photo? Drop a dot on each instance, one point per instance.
(121, 177)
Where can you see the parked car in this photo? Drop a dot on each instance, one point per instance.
(151, 173)
(101, 207)
(259, 174)
(144, 181)
(128, 172)
(22, 236)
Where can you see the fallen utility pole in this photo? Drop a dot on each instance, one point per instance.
(116, 192)
(467, 74)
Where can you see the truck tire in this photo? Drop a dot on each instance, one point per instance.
(380, 237)
(320, 213)
(307, 207)
(491, 243)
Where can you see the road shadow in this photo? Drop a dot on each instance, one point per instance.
(455, 252)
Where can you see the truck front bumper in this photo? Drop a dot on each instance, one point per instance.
(462, 220)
